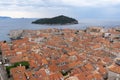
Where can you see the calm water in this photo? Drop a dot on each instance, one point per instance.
(12, 24)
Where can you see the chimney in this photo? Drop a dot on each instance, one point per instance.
(20, 65)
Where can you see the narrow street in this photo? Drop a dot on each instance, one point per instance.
(3, 75)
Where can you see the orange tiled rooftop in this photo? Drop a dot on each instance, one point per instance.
(52, 53)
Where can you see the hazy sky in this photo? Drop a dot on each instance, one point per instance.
(80, 9)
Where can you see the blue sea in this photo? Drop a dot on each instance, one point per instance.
(6, 25)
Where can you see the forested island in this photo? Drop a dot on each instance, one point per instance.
(62, 20)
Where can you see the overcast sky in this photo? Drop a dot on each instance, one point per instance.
(80, 9)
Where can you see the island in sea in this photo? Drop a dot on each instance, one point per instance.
(58, 20)
(5, 17)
